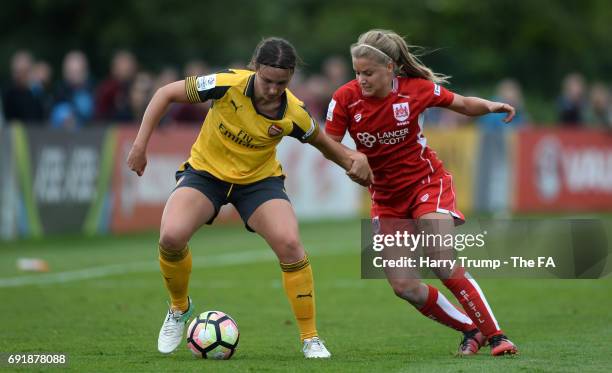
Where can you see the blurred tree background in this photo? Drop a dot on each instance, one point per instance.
(478, 42)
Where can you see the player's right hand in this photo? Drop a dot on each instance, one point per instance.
(500, 107)
(137, 159)
(360, 171)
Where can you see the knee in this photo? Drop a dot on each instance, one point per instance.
(172, 239)
(289, 249)
(409, 290)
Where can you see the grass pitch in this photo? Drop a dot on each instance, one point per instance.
(103, 302)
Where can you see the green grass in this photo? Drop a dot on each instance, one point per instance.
(110, 323)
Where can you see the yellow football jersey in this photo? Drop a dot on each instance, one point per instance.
(237, 144)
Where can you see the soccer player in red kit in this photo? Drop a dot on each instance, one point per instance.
(382, 109)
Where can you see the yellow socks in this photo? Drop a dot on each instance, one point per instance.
(176, 270)
(299, 287)
(297, 280)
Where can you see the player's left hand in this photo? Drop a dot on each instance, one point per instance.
(360, 171)
(500, 107)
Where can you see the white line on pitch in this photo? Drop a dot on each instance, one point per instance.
(222, 260)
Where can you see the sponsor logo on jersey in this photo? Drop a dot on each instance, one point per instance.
(384, 138)
(204, 83)
(437, 89)
(401, 112)
(240, 138)
(330, 110)
(357, 117)
(274, 130)
(366, 139)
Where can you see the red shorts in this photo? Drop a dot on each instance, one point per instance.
(434, 194)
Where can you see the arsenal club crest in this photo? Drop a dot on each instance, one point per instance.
(401, 111)
(274, 130)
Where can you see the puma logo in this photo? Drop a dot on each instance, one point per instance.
(236, 107)
(304, 295)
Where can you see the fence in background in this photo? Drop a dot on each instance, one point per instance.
(69, 182)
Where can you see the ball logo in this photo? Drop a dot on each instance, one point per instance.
(274, 130)
(401, 111)
(366, 139)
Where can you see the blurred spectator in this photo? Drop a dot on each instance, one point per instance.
(195, 68)
(313, 91)
(40, 83)
(316, 96)
(337, 72)
(20, 102)
(63, 116)
(238, 65)
(492, 192)
(166, 76)
(2, 121)
(572, 101)
(190, 113)
(112, 96)
(141, 92)
(74, 102)
(443, 118)
(448, 119)
(600, 106)
(297, 82)
(510, 92)
(42, 74)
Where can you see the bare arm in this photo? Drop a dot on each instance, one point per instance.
(355, 163)
(173, 92)
(335, 138)
(475, 106)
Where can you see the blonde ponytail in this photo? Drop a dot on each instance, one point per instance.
(386, 46)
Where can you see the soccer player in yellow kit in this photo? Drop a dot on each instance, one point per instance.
(234, 161)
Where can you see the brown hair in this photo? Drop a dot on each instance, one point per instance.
(386, 46)
(275, 52)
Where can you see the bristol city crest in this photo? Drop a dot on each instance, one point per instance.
(401, 111)
(274, 130)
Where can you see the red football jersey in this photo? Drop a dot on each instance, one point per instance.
(390, 131)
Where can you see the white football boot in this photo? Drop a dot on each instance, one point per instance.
(171, 333)
(315, 349)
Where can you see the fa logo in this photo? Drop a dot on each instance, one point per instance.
(401, 111)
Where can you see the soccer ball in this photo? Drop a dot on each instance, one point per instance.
(213, 335)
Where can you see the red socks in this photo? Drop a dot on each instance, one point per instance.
(438, 308)
(471, 297)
